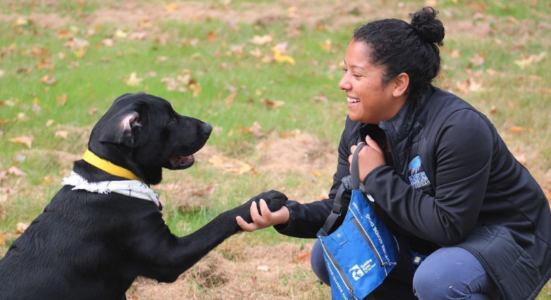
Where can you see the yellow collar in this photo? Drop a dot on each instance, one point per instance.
(108, 166)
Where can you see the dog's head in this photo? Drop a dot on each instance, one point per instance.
(144, 134)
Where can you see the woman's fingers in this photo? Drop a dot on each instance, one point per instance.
(371, 143)
(266, 213)
(263, 219)
(249, 227)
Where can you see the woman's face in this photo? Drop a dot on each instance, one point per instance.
(369, 99)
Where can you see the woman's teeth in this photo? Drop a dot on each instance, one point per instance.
(352, 100)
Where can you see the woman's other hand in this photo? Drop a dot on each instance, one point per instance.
(369, 158)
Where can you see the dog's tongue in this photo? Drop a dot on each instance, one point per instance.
(181, 160)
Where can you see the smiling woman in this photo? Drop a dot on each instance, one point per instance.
(370, 98)
(437, 173)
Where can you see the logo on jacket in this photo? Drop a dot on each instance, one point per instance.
(417, 177)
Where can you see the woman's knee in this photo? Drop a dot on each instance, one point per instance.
(452, 273)
(318, 263)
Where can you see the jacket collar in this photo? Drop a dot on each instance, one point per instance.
(400, 126)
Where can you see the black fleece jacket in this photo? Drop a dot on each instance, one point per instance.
(449, 179)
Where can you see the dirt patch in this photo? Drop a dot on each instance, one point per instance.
(258, 275)
(301, 154)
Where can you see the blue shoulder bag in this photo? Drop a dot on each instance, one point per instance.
(361, 252)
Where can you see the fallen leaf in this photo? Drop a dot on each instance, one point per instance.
(528, 60)
(302, 257)
(108, 42)
(64, 34)
(327, 45)
(281, 58)
(21, 227)
(323, 195)
(121, 34)
(13, 170)
(46, 181)
(272, 103)
(230, 165)
(50, 123)
(138, 35)
(261, 40)
(204, 191)
(515, 129)
(455, 53)
(196, 88)
(170, 7)
(61, 100)
(2, 73)
(21, 117)
(230, 98)
(263, 268)
(513, 20)
(475, 86)
(2, 241)
(62, 134)
(80, 52)
(256, 53)
(320, 98)
(521, 158)
(477, 59)
(93, 110)
(27, 140)
(292, 11)
(211, 37)
(217, 130)
(254, 129)
(133, 80)
(47, 79)
(44, 64)
(21, 21)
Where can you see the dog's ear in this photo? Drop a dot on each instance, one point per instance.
(130, 127)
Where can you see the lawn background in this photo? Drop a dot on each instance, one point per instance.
(277, 119)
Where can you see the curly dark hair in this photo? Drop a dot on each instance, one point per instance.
(401, 47)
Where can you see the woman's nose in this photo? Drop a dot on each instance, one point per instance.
(344, 84)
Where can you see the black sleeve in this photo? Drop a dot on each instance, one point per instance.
(463, 154)
(306, 219)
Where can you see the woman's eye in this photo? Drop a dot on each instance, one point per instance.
(357, 75)
(345, 70)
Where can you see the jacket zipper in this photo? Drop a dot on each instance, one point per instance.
(367, 239)
(339, 271)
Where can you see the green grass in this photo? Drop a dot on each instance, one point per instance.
(172, 48)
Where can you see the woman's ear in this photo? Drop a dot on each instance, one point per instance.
(401, 84)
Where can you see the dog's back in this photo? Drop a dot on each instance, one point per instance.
(80, 261)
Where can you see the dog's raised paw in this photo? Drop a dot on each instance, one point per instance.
(275, 200)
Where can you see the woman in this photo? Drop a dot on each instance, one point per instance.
(441, 177)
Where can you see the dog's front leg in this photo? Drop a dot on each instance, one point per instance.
(168, 256)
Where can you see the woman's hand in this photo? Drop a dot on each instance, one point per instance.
(369, 157)
(265, 218)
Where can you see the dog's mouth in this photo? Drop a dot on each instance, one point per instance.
(181, 162)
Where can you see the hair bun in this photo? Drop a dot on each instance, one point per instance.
(430, 29)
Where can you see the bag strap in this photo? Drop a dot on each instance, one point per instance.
(355, 172)
(354, 185)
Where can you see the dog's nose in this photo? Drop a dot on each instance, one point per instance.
(207, 129)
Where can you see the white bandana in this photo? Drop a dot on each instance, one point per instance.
(131, 188)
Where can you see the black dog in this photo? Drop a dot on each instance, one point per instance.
(98, 234)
